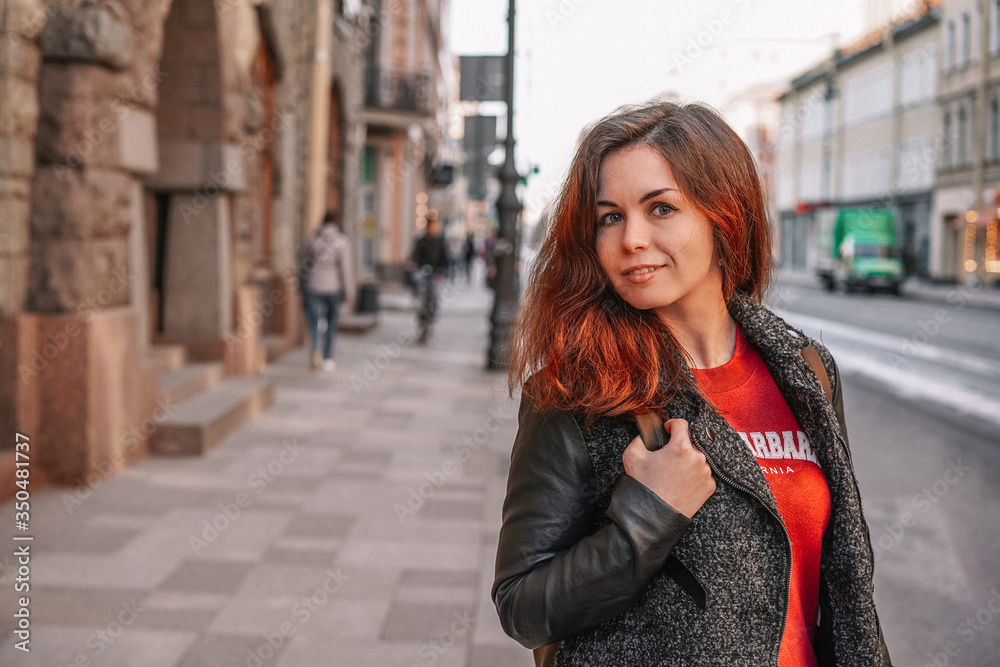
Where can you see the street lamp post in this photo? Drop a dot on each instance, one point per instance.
(508, 208)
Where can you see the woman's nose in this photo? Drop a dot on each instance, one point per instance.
(635, 234)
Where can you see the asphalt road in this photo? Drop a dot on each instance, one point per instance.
(929, 471)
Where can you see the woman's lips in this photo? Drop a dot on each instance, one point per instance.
(641, 274)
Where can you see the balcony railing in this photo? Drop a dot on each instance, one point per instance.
(398, 91)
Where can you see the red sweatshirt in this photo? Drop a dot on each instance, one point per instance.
(745, 394)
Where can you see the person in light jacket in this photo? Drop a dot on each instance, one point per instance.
(740, 541)
(328, 282)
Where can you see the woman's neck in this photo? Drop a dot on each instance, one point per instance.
(705, 333)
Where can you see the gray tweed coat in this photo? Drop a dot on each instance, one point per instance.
(590, 556)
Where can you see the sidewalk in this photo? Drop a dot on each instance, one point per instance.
(981, 296)
(353, 523)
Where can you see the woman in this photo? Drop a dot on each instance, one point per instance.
(327, 281)
(739, 542)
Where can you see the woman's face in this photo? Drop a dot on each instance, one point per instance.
(655, 247)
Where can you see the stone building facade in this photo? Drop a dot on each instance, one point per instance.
(160, 162)
(967, 231)
(861, 130)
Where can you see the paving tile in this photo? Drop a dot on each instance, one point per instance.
(282, 500)
(462, 596)
(412, 527)
(371, 462)
(247, 538)
(325, 525)
(309, 650)
(357, 618)
(439, 508)
(387, 420)
(183, 620)
(121, 520)
(276, 580)
(182, 601)
(56, 646)
(87, 608)
(309, 558)
(439, 578)
(501, 656)
(89, 538)
(207, 576)
(217, 650)
(254, 615)
(425, 621)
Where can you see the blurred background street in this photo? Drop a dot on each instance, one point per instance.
(354, 522)
(197, 495)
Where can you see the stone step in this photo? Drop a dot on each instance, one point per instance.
(357, 322)
(277, 345)
(166, 357)
(202, 421)
(181, 384)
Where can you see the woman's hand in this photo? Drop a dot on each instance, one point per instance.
(678, 473)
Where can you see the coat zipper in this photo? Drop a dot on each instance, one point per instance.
(788, 544)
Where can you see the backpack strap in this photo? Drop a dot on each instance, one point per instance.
(811, 357)
(651, 430)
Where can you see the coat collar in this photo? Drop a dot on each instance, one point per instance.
(779, 346)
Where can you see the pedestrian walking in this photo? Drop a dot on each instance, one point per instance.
(470, 256)
(732, 534)
(327, 281)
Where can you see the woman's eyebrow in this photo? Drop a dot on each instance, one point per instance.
(649, 195)
(646, 197)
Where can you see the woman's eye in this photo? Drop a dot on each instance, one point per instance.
(663, 209)
(610, 218)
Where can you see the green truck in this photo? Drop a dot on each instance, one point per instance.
(856, 248)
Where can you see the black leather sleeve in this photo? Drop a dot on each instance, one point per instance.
(554, 578)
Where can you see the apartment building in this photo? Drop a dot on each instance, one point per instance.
(964, 227)
(859, 130)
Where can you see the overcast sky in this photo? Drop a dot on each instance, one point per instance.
(578, 60)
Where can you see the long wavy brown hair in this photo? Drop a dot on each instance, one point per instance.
(582, 346)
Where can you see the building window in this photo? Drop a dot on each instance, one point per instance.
(950, 64)
(994, 129)
(960, 158)
(946, 158)
(966, 39)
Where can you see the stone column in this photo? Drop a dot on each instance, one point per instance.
(21, 22)
(81, 365)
